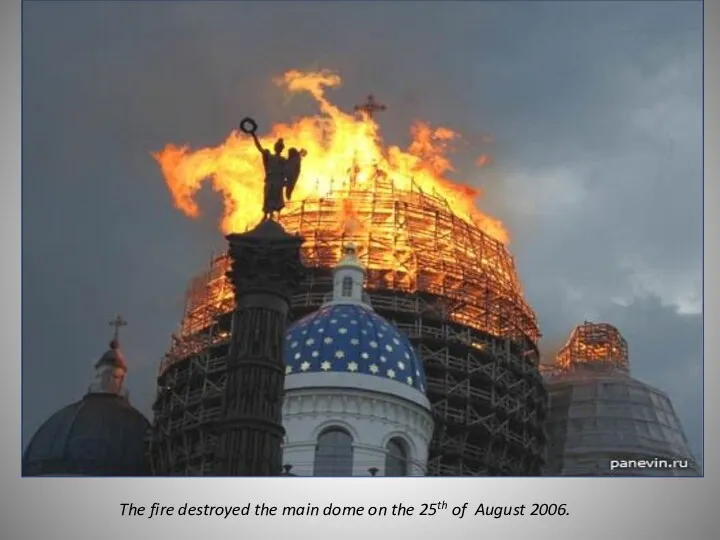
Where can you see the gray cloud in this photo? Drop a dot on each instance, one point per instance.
(594, 109)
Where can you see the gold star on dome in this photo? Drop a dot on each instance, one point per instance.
(339, 354)
(391, 373)
(315, 354)
(333, 321)
(388, 348)
(353, 321)
(381, 335)
(352, 366)
(325, 366)
(309, 341)
(396, 341)
(401, 365)
(364, 356)
(342, 330)
(374, 369)
(328, 340)
(297, 356)
(407, 356)
(410, 381)
(321, 330)
(383, 359)
(373, 344)
(354, 341)
(294, 344)
(288, 370)
(305, 366)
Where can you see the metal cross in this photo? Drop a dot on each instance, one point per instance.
(117, 323)
(370, 106)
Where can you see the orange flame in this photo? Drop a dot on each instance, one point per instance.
(594, 343)
(341, 147)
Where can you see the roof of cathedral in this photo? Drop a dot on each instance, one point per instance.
(351, 338)
(100, 435)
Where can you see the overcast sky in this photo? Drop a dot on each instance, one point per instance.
(595, 110)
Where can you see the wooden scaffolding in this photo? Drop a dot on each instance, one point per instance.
(452, 289)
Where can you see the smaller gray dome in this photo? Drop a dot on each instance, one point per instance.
(100, 435)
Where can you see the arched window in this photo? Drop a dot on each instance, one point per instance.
(396, 460)
(347, 286)
(334, 453)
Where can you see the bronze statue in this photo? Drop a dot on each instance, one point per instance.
(281, 174)
(292, 170)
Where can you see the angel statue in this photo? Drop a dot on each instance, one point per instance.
(281, 174)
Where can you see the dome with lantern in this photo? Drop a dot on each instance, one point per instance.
(100, 435)
(352, 339)
(354, 377)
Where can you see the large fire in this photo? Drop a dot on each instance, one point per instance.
(341, 148)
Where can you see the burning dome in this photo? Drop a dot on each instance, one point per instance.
(603, 422)
(437, 268)
(419, 231)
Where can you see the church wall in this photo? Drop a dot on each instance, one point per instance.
(372, 419)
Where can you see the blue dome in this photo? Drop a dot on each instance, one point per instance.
(100, 435)
(351, 339)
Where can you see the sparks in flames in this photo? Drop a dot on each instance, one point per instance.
(341, 147)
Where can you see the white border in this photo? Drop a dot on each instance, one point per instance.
(88, 508)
